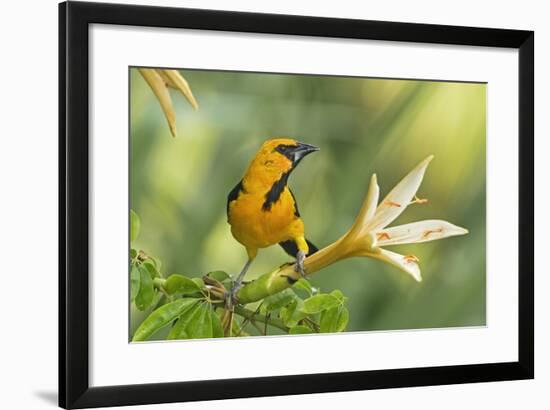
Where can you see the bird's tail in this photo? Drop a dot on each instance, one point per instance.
(291, 248)
(312, 248)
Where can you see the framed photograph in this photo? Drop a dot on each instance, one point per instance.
(256, 204)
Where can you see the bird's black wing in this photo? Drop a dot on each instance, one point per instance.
(291, 248)
(296, 212)
(234, 194)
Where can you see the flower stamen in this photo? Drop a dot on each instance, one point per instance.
(418, 201)
(383, 235)
(431, 231)
(411, 258)
(392, 203)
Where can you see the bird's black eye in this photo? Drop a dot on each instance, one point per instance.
(286, 150)
(281, 148)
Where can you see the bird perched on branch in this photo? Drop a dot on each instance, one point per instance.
(261, 208)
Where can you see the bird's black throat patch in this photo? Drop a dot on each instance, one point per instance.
(275, 192)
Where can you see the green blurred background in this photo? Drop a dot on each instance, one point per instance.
(179, 185)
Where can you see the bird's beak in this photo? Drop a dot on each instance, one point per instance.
(302, 150)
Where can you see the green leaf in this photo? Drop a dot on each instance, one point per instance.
(161, 317)
(334, 319)
(287, 312)
(236, 326)
(178, 331)
(134, 225)
(156, 300)
(195, 323)
(318, 303)
(179, 284)
(135, 281)
(133, 253)
(200, 326)
(300, 330)
(151, 269)
(277, 301)
(292, 314)
(339, 295)
(146, 290)
(219, 275)
(199, 282)
(156, 262)
(304, 285)
(217, 329)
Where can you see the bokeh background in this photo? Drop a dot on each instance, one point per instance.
(179, 185)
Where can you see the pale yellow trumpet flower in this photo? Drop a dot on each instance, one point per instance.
(368, 237)
(370, 234)
(160, 80)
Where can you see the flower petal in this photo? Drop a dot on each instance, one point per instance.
(175, 80)
(416, 232)
(372, 198)
(408, 265)
(369, 205)
(399, 197)
(158, 86)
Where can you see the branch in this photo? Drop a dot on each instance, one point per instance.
(367, 237)
(356, 242)
(285, 276)
(256, 317)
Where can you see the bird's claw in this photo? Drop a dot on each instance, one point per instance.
(231, 295)
(300, 257)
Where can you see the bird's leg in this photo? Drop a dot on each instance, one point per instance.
(237, 284)
(300, 257)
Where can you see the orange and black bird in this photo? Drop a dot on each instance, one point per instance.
(261, 208)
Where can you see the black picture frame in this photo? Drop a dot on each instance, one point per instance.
(74, 21)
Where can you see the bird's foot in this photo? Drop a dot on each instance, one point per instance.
(300, 257)
(231, 295)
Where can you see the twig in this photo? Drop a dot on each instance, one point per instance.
(314, 325)
(249, 319)
(249, 314)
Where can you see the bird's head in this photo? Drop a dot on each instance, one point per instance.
(274, 162)
(282, 154)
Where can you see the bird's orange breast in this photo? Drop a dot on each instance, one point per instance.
(256, 227)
